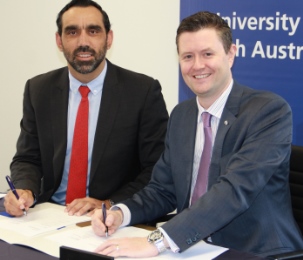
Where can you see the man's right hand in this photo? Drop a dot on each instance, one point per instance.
(15, 207)
(113, 221)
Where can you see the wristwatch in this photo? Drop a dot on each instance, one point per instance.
(156, 237)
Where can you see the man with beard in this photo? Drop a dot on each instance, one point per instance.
(125, 119)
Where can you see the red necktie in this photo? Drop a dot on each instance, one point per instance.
(76, 186)
(202, 178)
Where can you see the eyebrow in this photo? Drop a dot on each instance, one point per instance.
(75, 27)
(96, 27)
(70, 27)
(207, 49)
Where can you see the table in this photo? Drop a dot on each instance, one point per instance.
(16, 252)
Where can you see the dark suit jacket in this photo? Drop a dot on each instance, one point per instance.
(129, 137)
(247, 206)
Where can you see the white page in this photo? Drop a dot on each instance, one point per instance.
(39, 221)
(85, 239)
(42, 227)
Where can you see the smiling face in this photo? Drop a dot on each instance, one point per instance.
(84, 42)
(205, 66)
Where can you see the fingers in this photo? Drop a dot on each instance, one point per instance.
(130, 247)
(97, 223)
(79, 207)
(114, 218)
(113, 221)
(15, 207)
(111, 224)
(11, 205)
(111, 248)
(26, 199)
(91, 212)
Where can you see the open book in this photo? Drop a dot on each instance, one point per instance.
(47, 227)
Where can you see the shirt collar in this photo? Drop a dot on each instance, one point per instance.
(95, 86)
(216, 109)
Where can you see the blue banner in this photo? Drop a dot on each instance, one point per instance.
(269, 37)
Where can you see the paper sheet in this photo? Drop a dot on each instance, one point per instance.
(85, 239)
(42, 229)
(41, 219)
(39, 222)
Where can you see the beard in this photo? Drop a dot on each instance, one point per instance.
(85, 67)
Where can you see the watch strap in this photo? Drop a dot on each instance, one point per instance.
(160, 245)
(156, 237)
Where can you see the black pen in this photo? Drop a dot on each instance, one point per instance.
(13, 189)
(104, 218)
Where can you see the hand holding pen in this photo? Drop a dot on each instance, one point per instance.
(104, 218)
(13, 189)
(113, 218)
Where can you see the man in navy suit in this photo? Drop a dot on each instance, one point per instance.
(127, 121)
(247, 203)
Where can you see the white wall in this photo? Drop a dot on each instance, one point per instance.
(144, 41)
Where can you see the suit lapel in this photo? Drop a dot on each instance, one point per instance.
(189, 119)
(228, 117)
(111, 95)
(59, 108)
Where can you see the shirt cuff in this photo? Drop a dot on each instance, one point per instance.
(126, 220)
(171, 243)
(125, 211)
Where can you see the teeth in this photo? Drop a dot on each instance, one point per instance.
(202, 76)
(84, 55)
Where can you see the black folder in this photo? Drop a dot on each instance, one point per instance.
(69, 253)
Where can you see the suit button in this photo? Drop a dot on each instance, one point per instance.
(198, 236)
(189, 241)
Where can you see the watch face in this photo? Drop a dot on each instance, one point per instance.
(155, 235)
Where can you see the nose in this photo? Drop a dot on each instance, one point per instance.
(83, 39)
(199, 63)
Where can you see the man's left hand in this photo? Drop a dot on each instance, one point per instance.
(87, 205)
(129, 247)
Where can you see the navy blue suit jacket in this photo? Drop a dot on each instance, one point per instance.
(247, 206)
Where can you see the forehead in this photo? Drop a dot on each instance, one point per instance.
(205, 38)
(82, 16)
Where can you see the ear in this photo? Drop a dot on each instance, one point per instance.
(110, 37)
(59, 41)
(231, 54)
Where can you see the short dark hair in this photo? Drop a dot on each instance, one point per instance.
(82, 3)
(206, 19)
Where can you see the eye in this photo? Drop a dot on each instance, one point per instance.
(187, 57)
(71, 32)
(94, 30)
(208, 54)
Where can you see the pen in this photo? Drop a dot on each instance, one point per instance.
(13, 189)
(60, 227)
(104, 218)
